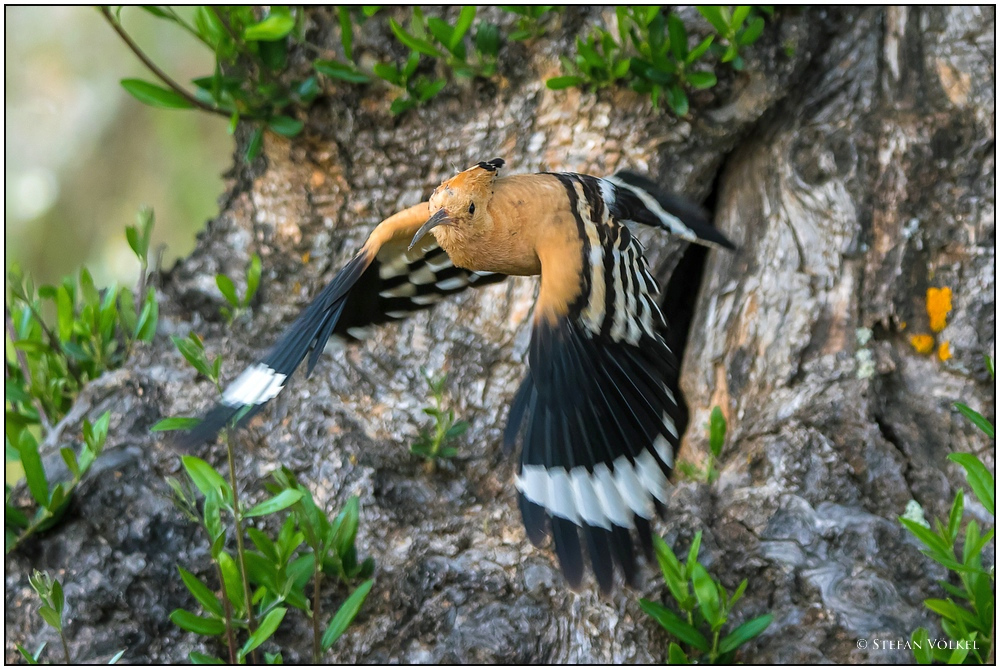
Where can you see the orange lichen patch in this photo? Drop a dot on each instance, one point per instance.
(305, 258)
(944, 351)
(924, 344)
(902, 325)
(938, 306)
(317, 179)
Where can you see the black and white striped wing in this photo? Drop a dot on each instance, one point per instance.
(597, 411)
(368, 292)
(400, 282)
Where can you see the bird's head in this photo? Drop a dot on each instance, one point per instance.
(459, 204)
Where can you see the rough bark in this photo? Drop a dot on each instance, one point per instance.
(853, 163)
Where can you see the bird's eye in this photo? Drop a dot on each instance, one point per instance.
(472, 208)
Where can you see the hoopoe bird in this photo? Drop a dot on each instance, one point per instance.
(597, 412)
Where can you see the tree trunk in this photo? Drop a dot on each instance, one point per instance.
(852, 162)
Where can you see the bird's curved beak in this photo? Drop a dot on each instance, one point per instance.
(439, 217)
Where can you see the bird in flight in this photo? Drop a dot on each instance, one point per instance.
(596, 415)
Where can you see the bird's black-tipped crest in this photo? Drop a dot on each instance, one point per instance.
(492, 165)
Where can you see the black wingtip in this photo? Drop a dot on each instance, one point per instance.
(694, 216)
(566, 538)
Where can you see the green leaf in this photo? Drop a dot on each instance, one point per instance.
(264, 631)
(441, 30)
(370, 10)
(254, 145)
(175, 423)
(274, 27)
(955, 516)
(253, 279)
(193, 350)
(307, 90)
(977, 419)
(198, 658)
(261, 571)
(927, 536)
(678, 37)
(740, 14)
(345, 615)
(707, 593)
(50, 616)
(699, 50)
(285, 125)
(465, 18)
(415, 43)
(347, 527)
(197, 624)
(126, 312)
(285, 499)
(692, 557)
(387, 72)
(227, 289)
(989, 366)
(64, 313)
(431, 89)
(673, 573)
(922, 646)
(69, 457)
(566, 81)
(58, 599)
(342, 71)
(346, 30)
(752, 32)
(146, 326)
(263, 543)
(974, 543)
(400, 105)
(488, 39)
(676, 655)
(132, 236)
(155, 96)
(677, 99)
(948, 609)
(202, 593)
(701, 81)
(204, 476)
(713, 14)
(959, 655)
(232, 582)
(674, 624)
(29, 658)
(745, 632)
(980, 480)
(34, 471)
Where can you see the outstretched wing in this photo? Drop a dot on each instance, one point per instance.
(384, 282)
(597, 412)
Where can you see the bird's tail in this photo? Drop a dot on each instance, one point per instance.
(307, 335)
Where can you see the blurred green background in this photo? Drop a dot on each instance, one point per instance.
(82, 155)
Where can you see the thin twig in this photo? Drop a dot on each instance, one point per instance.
(317, 577)
(23, 362)
(228, 610)
(62, 636)
(237, 518)
(227, 606)
(154, 68)
(184, 24)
